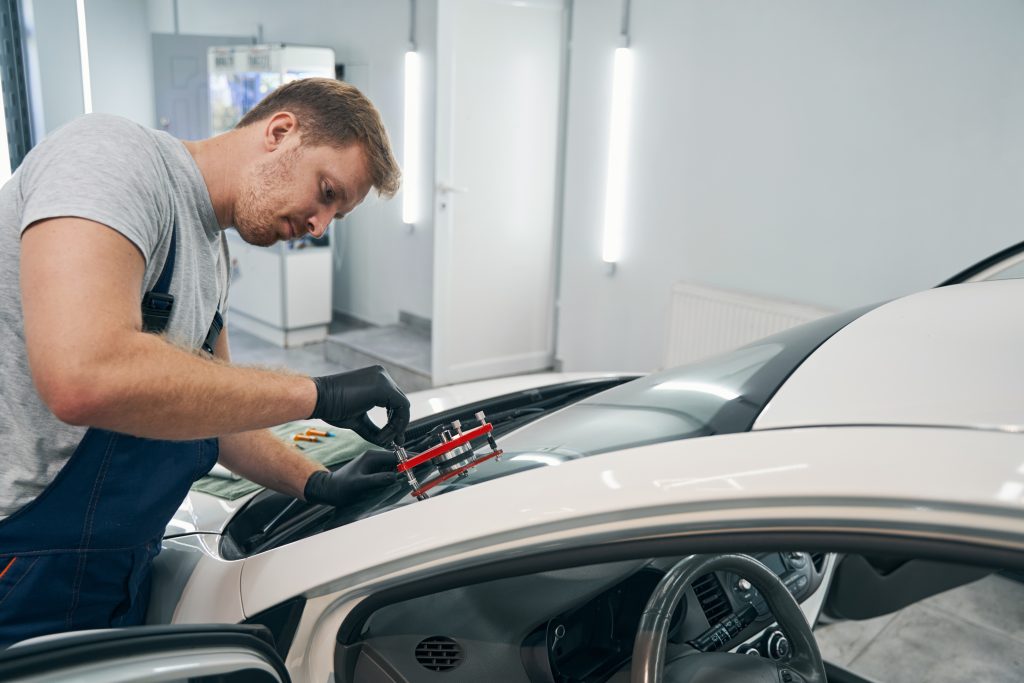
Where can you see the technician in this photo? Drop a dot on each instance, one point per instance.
(118, 391)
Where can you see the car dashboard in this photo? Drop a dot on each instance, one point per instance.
(579, 624)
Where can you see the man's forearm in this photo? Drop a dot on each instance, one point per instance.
(261, 457)
(152, 389)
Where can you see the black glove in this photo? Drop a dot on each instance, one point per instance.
(345, 398)
(367, 474)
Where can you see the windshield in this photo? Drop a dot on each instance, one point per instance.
(721, 395)
(679, 404)
(554, 425)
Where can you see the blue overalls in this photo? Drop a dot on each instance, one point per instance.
(79, 555)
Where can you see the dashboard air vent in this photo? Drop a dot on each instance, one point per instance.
(819, 561)
(712, 598)
(438, 653)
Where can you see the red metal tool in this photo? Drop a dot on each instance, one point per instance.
(453, 457)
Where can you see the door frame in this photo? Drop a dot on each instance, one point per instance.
(166, 652)
(443, 218)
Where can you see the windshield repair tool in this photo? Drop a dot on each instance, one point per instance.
(453, 457)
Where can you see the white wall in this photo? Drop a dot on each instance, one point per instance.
(833, 153)
(828, 153)
(121, 59)
(385, 266)
(60, 67)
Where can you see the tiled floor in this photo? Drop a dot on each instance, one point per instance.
(404, 351)
(248, 349)
(398, 343)
(972, 633)
(311, 359)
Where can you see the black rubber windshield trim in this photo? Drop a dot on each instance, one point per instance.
(560, 393)
(798, 343)
(282, 621)
(982, 265)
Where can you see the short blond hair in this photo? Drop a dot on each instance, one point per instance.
(335, 113)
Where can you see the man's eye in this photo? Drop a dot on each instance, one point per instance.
(329, 193)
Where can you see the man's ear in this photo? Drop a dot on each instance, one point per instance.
(278, 128)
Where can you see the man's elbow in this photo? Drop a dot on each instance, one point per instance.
(73, 399)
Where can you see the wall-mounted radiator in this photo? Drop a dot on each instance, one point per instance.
(704, 321)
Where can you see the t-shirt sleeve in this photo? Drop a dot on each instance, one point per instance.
(101, 168)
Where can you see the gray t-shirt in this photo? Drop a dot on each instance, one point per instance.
(140, 182)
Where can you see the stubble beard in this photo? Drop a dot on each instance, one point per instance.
(255, 217)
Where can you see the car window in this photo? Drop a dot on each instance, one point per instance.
(721, 395)
(663, 407)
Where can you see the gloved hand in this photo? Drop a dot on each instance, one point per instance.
(370, 472)
(344, 399)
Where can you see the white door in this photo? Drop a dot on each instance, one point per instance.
(182, 82)
(499, 94)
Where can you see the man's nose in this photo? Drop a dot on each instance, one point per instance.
(318, 223)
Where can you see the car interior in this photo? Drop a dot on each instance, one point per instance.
(749, 617)
(578, 624)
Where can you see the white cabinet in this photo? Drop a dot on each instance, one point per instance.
(242, 75)
(279, 294)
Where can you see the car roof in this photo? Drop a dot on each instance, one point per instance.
(943, 357)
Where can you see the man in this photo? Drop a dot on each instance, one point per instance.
(113, 274)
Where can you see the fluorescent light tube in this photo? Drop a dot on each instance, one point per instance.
(618, 141)
(411, 167)
(83, 49)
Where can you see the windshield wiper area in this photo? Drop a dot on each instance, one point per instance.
(271, 519)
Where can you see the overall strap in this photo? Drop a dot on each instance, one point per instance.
(158, 302)
(211, 335)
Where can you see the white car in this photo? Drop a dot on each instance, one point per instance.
(664, 527)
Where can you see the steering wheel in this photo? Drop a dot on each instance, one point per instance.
(803, 666)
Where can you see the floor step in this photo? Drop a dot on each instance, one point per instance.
(403, 350)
